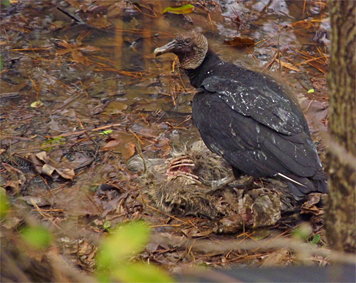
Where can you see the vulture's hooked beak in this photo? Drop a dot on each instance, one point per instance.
(169, 47)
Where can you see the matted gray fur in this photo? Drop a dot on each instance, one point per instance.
(174, 187)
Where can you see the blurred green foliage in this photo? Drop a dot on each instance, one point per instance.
(315, 239)
(37, 236)
(302, 232)
(4, 203)
(123, 243)
(5, 2)
(305, 233)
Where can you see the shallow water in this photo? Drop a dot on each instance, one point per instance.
(90, 64)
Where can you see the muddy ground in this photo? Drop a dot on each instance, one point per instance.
(96, 132)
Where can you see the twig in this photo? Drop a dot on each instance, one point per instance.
(207, 246)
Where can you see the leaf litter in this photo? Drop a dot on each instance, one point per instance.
(99, 77)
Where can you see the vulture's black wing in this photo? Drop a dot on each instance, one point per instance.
(259, 99)
(255, 131)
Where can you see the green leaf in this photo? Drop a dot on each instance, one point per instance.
(4, 203)
(37, 104)
(107, 225)
(125, 241)
(37, 236)
(311, 90)
(185, 9)
(107, 132)
(316, 239)
(140, 272)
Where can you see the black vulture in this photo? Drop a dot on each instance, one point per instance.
(248, 118)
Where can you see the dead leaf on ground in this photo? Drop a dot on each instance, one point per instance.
(76, 51)
(63, 168)
(310, 206)
(240, 42)
(111, 145)
(130, 149)
(277, 258)
(287, 65)
(39, 201)
(8, 90)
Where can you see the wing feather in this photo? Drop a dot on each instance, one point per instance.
(248, 144)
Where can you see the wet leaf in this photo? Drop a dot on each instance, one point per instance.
(101, 22)
(79, 57)
(287, 65)
(68, 48)
(75, 50)
(111, 144)
(58, 24)
(130, 150)
(240, 42)
(115, 107)
(89, 49)
(114, 11)
(8, 89)
(185, 9)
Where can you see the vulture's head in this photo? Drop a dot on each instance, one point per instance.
(191, 49)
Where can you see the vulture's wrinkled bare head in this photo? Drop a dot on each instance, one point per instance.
(191, 49)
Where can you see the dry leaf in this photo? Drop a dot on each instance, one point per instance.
(276, 258)
(287, 65)
(48, 170)
(66, 173)
(130, 150)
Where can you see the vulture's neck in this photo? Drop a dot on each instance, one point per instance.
(196, 76)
